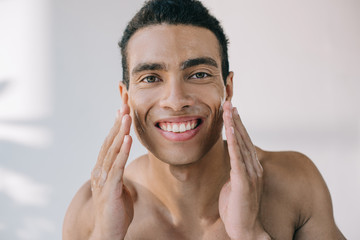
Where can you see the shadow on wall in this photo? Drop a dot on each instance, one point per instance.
(22, 197)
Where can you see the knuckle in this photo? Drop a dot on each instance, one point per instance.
(95, 172)
(111, 149)
(105, 166)
(125, 154)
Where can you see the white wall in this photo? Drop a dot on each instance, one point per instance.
(297, 75)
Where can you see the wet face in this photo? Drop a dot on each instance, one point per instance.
(176, 91)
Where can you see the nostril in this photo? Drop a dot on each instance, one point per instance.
(177, 101)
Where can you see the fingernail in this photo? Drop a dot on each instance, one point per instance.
(232, 130)
(122, 109)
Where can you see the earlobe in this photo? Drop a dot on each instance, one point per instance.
(123, 93)
(229, 86)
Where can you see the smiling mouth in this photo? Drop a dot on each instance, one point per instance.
(179, 127)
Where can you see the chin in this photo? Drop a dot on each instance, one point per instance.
(179, 158)
(183, 154)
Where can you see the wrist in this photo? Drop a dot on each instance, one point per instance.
(258, 233)
(263, 236)
(97, 234)
(260, 236)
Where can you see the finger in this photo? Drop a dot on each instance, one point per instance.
(236, 161)
(246, 155)
(115, 147)
(117, 169)
(115, 129)
(248, 143)
(240, 126)
(97, 170)
(110, 137)
(244, 151)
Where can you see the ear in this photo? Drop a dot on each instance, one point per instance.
(123, 93)
(229, 86)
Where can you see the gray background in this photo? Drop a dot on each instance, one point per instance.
(297, 76)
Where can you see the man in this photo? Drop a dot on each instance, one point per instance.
(192, 184)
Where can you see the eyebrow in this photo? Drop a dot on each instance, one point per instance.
(186, 64)
(148, 66)
(198, 61)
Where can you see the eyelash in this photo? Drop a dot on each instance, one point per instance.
(156, 79)
(145, 79)
(204, 73)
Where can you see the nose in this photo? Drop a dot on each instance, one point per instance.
(176, 95)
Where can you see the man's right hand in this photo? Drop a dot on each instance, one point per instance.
(112, 201)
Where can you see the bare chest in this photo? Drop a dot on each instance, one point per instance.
(160, 230)
(150, 223)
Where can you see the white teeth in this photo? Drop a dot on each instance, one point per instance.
(168, 128)
(182, 128)
(162, 126)
(178, 127)
(175, 128)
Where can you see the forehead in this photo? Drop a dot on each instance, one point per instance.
(171, 45)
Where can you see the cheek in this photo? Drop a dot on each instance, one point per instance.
(212, 95)
(140, 99)
(140, 102)
(214, 98)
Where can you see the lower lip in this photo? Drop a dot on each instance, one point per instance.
(184, 136)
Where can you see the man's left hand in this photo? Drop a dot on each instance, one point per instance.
(239, 201)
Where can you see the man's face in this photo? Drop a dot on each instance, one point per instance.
(176, 91)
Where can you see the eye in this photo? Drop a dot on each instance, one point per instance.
(150, 79)
(200, 75)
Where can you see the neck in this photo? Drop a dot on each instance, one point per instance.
(192, 190)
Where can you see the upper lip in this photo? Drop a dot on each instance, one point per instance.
(178, 119)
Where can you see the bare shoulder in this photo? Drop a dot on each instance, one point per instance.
(78, 219)
(293, 180)
(292, 170)
(294, 174)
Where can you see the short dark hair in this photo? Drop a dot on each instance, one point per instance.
(174, 12)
